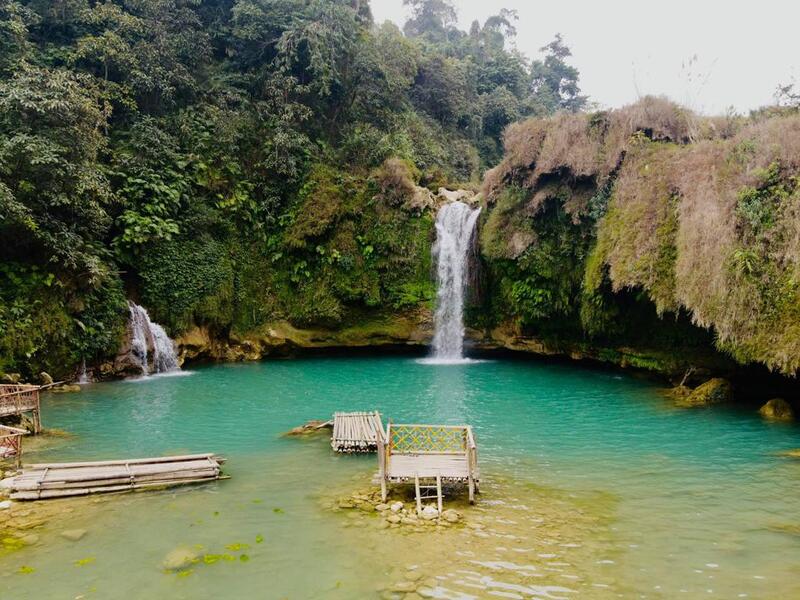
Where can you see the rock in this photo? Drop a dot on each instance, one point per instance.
(11, 378)
(393, 518)
(31, 539)
(777, 409)
(403, 586)
(45, 378)
(451, 516)
(396, 507)
(466, 196)
(345, 503)
(73, 535)
(412, 596)
(5, 504)
(67, 388)
(429, 513)
(179, 559)
(382, 507)
(713, 391)
(413, 575)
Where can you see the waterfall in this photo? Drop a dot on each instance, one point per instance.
(150, 343)
(455, 231)
(83, 377)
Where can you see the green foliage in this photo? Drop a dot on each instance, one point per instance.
(190, 153)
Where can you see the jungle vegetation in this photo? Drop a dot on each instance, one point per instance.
(228, 162)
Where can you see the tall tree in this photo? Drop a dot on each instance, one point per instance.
(555, 82)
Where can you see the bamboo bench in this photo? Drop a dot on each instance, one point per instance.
(425, 453)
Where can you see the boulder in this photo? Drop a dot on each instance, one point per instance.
(713, 391)
(777, 409)
(45, 378)
(179, 559)
(11, 378)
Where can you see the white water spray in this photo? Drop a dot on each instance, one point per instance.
(147, 337)
(455, 231)
(83, 377)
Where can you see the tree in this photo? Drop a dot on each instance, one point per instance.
(431, 18)
(51, 123)
(554, 84)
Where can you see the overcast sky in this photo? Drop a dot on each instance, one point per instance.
(628, 48)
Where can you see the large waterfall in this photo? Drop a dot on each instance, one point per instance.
(455, 231)
(151, 344)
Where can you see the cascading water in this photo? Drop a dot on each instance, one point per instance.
(455, 231)
(147, 336)
(83, 377)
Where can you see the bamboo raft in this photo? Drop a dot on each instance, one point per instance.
(59, 480)
(356, 432)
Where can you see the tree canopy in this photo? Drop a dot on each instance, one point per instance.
(130, 125)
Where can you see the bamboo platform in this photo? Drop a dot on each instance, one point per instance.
(18, 399)
(429, 456)
(356, 432)
(59, 480)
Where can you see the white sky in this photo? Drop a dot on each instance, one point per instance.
(628, 48)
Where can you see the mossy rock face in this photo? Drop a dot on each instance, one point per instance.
(713, 391)
(777, 409)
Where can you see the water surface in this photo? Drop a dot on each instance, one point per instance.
(594, 486)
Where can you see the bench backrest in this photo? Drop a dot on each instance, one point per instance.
(428, 439)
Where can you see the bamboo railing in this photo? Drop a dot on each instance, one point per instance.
(19, 398)
(11, 443)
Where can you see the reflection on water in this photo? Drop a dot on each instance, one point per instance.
(592, 484)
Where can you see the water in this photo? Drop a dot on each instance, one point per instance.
(147, 336)
(593, 486)
(455, 232)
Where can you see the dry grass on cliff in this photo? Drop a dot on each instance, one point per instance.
(740, 281)
(586, 145)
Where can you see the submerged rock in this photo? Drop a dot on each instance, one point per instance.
(429, 513)
(67, 388)
(180, 558)
(777, 409)
(451, 516)
(713, 391)
(790, 453)
(74, 535)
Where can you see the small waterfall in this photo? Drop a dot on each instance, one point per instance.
(83, 377)
(455, 231)
(150, 343)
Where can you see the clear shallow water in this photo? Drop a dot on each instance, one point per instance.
(638, 498)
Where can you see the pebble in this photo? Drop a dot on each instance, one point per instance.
(5, 504)
(73, 535)
(393, 519)
(413, 575)
(382, 507)
(396, 507)
(31, 539)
